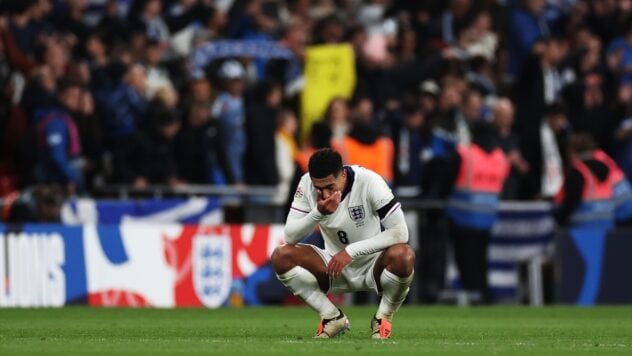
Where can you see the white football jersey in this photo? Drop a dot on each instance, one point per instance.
(357, 216)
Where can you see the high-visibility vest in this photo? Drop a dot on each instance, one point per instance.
(302, 157)
(621, 190)
(377, 157)
(475, 197)
(597, 206)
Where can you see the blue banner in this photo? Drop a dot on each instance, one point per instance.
(42, 266)
(103, 211)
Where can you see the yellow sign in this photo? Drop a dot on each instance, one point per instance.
(329, 73)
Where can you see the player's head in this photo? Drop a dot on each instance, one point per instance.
(325, 170)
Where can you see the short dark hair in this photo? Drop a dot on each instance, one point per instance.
(325, 162)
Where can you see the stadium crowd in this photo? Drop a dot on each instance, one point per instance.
(97, 92)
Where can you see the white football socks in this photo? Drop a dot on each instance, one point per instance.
(394, 291)
(304, 284)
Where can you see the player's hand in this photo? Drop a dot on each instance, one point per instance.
(329, 205)
(338, 263)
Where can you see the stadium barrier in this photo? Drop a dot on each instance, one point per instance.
(42, 263)
(136, 264)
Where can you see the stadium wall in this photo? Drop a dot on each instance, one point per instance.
(178, 253)
(135, 264)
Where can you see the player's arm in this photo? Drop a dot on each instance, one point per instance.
(383, 203)
(396, 232)
(302, 220)
(299, 224)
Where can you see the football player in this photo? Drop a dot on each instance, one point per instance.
(349, 204)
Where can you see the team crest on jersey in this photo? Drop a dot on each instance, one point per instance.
(356, 212)
(299, 193)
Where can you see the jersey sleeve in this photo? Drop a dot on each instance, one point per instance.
(300, 203)
(379, 193)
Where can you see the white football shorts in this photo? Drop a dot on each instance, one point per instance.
(356, 276)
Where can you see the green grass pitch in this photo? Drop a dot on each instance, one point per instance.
(288, 331)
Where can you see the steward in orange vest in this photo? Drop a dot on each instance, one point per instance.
(475, 196)
(621, 190)
(586, 206)
(586, 198)
(478, 172)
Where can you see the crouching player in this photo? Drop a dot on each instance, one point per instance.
(350, 204)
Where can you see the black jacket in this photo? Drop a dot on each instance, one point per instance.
(197, 149)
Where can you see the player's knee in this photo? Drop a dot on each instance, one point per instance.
(401, 258)
(282, 258)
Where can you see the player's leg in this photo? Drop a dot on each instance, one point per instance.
(302, 270)
(393, 273)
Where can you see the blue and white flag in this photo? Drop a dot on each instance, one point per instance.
(186, 211)
(522, 232)
(211, 51)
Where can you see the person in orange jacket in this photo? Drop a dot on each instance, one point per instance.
(364, 146)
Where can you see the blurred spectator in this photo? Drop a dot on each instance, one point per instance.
(59, 143)
(528, 26)
(72, 21)
(608, 19)
(502, 119)
(200, 147)
(481, 76)
(409, 143)
(229, 110)
(39, 203)
(261, 125)
(286, 150)
(539, 84)
(147, 16)
(55, 54)
(588, 109)
(451, 122)
(428, 94)
(22, 25)
(112, 25)
(157, 163)
(333, 126)
(124, 104)
(478, 40)
(213, 21)
(90, 130)
(364, 145)
(157, 75)
(446, 28)
(472, 107)
(15, 57)
(454, 57)
(547, 158)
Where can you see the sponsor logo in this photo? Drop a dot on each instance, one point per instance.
(31, 270)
